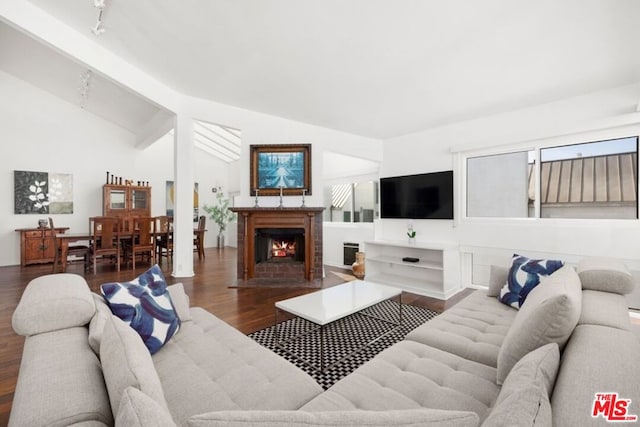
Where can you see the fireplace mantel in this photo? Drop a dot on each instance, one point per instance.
(307, 218)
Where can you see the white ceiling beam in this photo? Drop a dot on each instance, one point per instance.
(159, 125)
(52, 32)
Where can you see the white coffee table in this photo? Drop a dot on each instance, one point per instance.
(329, 305)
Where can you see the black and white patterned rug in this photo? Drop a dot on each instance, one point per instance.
(348, 342)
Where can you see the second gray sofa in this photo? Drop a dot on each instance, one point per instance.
(479, 362)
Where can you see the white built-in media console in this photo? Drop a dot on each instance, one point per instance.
(427, 269)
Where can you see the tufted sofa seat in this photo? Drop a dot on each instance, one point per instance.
(412, 375)
(474, 329)
(226, 371)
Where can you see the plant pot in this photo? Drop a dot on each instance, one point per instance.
(220, 241)
(358, 266)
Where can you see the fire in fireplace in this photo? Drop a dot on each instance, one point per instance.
(279, 244)
(283, 248)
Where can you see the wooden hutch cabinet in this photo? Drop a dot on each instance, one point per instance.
(36, 245)
(126, 200)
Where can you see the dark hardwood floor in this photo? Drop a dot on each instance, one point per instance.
(247, 309)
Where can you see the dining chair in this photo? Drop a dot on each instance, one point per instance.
(164, 238)
(198, 237)
(77, 250)
(105, 239)
(142, 239)
(127, 224)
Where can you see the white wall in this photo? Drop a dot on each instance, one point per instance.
(603, 115)
(43, 133)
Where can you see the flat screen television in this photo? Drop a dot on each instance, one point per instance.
(422, 196)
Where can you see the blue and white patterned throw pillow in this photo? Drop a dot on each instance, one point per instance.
(524, 275)
(144, 303)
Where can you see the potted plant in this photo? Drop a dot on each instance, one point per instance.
(221, 215)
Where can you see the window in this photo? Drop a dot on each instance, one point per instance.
(351, 202)
(498, 185)
(592, 180)
(595, 180)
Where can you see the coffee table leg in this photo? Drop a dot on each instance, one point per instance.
(321, 348)
(276, 332)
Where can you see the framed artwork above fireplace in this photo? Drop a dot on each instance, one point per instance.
(280, 168)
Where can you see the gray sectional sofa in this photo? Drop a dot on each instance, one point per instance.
(479, 363)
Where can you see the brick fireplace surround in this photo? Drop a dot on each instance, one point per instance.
(250, 220)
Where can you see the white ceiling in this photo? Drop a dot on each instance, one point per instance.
(377, 68)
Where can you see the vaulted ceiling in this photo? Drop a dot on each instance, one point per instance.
(376, 68)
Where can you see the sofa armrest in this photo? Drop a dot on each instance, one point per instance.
(60, 382)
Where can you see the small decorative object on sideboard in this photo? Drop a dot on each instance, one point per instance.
(358, 266)
(42, 223)
(411, 233)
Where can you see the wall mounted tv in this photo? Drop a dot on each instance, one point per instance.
(423, 196)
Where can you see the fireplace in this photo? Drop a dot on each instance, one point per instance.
(279, 243)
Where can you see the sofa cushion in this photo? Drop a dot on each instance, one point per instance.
(474, 329)
(524, 398)
(605, 274)
(139, 410)
(126, 362)
(411, 375)
(179, 298)
(597, 359)
(605, 309)
(145, 304)
(406, 418)
(53, 302)
(227, 371)
(497, 278)
(96, 326)
(527, 406)
(549, 315)
(60, 382)
(180, 301)
(524, 275)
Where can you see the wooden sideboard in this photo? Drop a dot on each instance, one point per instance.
(36, 245)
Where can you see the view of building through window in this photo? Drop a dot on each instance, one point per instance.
(592, 180)
(589, 180)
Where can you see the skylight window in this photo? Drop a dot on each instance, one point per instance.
(220, 141)
(217, 140)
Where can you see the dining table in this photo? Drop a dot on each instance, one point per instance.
(64, 239)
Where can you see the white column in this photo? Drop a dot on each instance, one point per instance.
(183, 193)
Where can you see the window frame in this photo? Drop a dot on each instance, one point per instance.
(536, 147)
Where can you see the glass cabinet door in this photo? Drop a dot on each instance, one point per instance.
(140, 199)
(117, 199)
